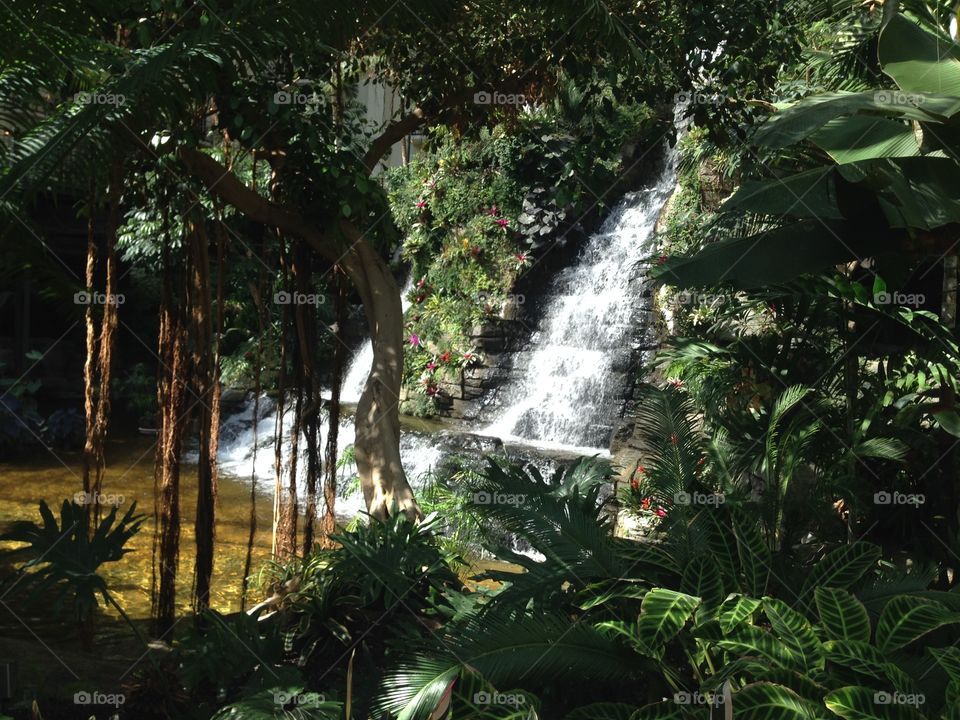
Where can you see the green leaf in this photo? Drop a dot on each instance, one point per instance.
(861, 657)
(748, 640)
(767, 701)
(918, 60)
(808, 194)
(863, 137)
(735, 610)
(802, 119)
(863, 703)
(907, 618)
(843, 616)
(701, 578)
(753, 552)
(796, 633)
(948, 659)
(773, 256)
(841, 567)
(662, 613)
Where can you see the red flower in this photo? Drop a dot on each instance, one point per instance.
(522, 258)
(445, 357)
(493, 210)
(635, 484)
(661, 260)
(420, 204)
(420, 298)
(422, 282)
(677, 383)
(645, 504)
(641, 469)
(475, 250)
(661, 512)
(503, 222)
(431, 365)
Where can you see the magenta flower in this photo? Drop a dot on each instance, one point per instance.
(661, 512)
(522, 258)
(415, 340)
(420, 204)
(431, 365)
(503, 222)
(468, 356)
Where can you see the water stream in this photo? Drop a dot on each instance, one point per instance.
(572, 376)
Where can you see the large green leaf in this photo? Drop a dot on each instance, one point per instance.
(773, 256)
(914, 192)
(754, 554)
(767, 701)
(841, 568)
(808, 194)
(750, 641)
(948, 659)
(796, 632)
(800, 120)
(862, 703)
(701, 578)
(843, 616)
(662, 613)
(735, 610)
(918, 60)
(863, 137)
(907, 618)
(861, 657)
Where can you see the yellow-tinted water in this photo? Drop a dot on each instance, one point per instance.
(55, 477)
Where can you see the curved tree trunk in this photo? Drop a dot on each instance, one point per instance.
(377, 442)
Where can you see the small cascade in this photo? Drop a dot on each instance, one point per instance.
(572, 377)
(241, 457)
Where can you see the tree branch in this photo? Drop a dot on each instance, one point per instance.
(394, 133)
(223, 183)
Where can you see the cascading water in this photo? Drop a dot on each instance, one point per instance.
(570, 387)
(571, 384)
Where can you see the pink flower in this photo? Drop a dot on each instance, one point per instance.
(503, 222)
(677, 383)
(661, 512)
(415, 340)
(431, 365)
(420, 204)
(468, 356)
(493, 210)
(522, 258)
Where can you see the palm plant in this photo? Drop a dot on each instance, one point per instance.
(64, 559)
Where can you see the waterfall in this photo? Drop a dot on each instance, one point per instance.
(572, 378)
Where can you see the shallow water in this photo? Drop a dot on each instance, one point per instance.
(55, 477)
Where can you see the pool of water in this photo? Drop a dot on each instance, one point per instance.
(55, 477)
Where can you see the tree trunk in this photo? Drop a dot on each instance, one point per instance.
(377, 442)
